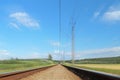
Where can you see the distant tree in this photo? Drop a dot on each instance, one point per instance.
(16, 58)
(11, 58)
(49, 57)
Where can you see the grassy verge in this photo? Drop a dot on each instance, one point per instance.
(18, 65)
(112, 71)
(108, 68)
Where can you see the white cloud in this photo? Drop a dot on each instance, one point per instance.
(34, 55)
(56, 51)
(55, 43)
(105, 52)
(112, 14)
(102, 51)
(56, 54)
(58, 44)
(4, 52)
(60, 54)
(23, 18)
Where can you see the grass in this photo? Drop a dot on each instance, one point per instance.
(105, 66)
(18, 65)
(108, 68)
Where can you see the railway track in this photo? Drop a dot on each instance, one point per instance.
(58, 72)
(21, 74)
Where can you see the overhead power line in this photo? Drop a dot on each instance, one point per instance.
(60, 28)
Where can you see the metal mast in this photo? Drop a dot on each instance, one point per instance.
(73, 44)
(63, 57)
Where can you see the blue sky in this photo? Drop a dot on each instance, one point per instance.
(30, 28)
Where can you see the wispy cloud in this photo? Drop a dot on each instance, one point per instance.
(105, 52)
(112, 14)
(57, 54)
(96, 14)
(24, 19)
(58, 44)
(54, 43)
(101, 51)
(4, 52)
(34, 55)
(14, 25)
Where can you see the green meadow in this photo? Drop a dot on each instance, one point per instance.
(18, 65)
